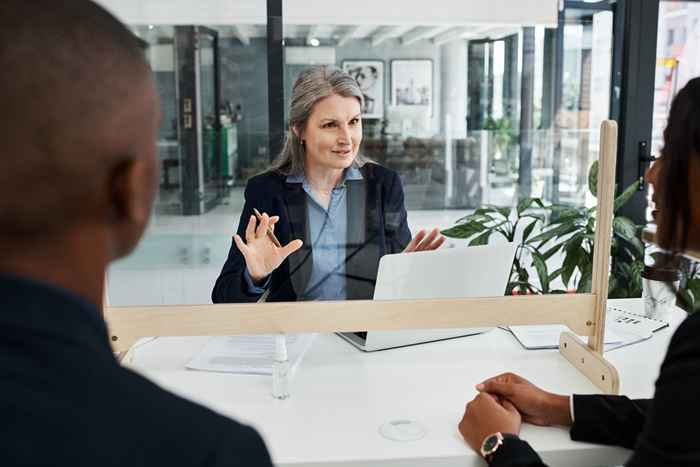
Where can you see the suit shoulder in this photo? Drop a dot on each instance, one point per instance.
(265, 180)
(151, 404)
(264, 184)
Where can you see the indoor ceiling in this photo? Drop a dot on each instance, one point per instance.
(374, 34)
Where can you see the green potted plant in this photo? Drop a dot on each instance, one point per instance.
(565, 229)
(689, 291)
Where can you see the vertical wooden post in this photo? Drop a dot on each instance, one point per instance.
(603, 230)
(589, 358)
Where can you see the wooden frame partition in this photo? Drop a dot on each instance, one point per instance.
(584, 314)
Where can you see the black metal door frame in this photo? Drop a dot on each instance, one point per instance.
(189, 116)
(633, 92)
(275, 77)
(218, 182)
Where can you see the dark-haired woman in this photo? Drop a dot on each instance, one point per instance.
(663, 431)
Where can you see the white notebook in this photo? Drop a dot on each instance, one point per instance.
(622, 328)
(248, 354)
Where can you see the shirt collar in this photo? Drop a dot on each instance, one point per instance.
(351, 173)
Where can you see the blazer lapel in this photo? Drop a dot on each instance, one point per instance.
(301, 261)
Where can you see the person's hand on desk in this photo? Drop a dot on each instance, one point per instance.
(535, 405)
(421, 242)
(261, 254)
(486, 415)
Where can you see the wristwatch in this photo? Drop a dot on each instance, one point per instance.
(490, 445)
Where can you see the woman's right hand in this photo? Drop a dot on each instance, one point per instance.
(260, 253)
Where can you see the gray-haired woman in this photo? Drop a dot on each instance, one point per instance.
(334, 212)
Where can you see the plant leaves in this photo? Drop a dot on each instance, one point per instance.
(584, 285)
(571, 260)
(624, 228)
(539, 217)
(554, 275)
(482, 239)
(525, 204)
(557, 231)
(561, 214)
(686, 300)
(615, 288)
(541, 268)
(568, 219)
(528, 230)
(466, 230)
(504, 211)
(639, 247)
(485, 211)
(625, 196)
(593, 179)
(693, 287)
(549, 253)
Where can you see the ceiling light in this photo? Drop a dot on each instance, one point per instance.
(314, 42)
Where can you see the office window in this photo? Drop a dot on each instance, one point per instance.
(676, 63)
(213, 137)
(209, 61)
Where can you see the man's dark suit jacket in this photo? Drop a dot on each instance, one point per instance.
(662, 431)
(377, 226)
(66, 401)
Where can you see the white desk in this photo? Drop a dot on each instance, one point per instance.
(340, 396)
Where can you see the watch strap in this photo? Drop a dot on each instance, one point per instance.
(513, 451)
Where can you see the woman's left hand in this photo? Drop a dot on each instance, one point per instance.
(422, 243)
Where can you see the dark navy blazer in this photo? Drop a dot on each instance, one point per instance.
(377, 226)
(66, 401)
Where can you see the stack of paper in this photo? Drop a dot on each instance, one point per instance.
(248, 354)
(622, 328)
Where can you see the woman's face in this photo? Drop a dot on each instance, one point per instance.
(656, 178)
(333, 133)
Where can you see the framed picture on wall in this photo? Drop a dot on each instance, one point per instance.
(369, 74)
(412, 84)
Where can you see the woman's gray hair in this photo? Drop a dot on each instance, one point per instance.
(312, 85)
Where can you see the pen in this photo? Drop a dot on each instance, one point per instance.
(269, 229)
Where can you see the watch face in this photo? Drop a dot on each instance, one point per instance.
(490, 443)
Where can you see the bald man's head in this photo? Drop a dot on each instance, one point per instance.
(80, 119)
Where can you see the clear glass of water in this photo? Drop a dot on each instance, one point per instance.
(659, 289)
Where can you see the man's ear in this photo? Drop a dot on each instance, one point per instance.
(132, 190)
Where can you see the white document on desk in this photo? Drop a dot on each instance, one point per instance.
(250, 354)
(620, 331)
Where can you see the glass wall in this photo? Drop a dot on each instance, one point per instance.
(677, 52)
(462, 145)
(468, 114)
(212, 82)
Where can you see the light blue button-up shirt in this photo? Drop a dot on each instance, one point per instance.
(328, 235)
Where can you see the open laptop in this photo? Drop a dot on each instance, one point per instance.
(479, 271)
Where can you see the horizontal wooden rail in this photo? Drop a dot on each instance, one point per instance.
(128, 324)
